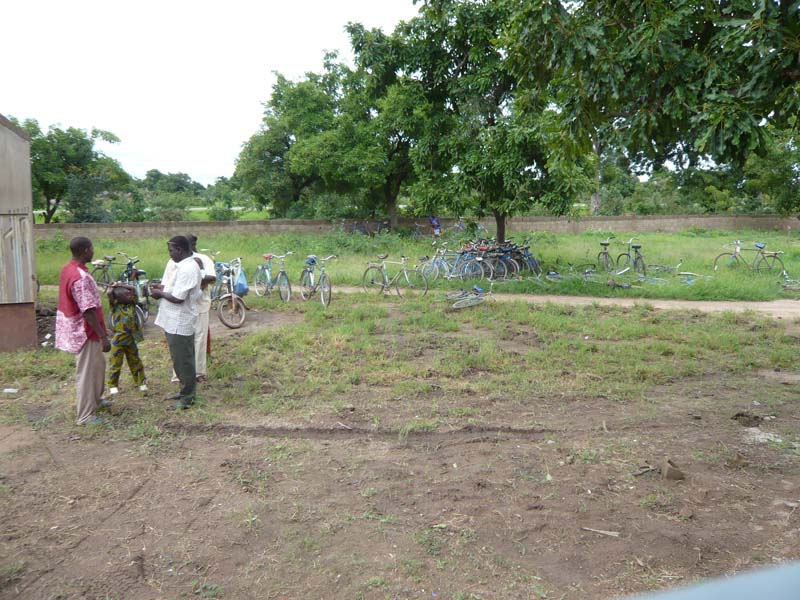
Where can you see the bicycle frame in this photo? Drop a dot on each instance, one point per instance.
(410, 280)
(763, 261)
(309, 281)
(231, 309)
(265, 279)
(635, 260)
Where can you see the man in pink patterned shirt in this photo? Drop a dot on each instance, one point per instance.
(81, 329)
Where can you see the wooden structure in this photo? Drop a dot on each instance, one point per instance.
(17, 273)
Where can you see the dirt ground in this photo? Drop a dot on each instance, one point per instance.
(595, 501)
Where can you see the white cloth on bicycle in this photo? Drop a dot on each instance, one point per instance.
(184, 283)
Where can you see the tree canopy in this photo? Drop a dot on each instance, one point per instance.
(66, 167)
(675, 79)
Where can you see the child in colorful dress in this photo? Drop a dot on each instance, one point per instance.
(126, 332)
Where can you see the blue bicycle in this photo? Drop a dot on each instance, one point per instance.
(264, 281)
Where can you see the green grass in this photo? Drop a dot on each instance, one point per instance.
(374, 357)
(696, 250)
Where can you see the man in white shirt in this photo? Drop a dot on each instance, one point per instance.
(208, 276)
(177, 316)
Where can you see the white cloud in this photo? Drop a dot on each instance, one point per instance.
(181, 83)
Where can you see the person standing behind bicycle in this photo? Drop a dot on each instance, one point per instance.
(202, 339)
(436, 226)
(177, 316)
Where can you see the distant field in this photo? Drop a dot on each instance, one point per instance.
(694, 250)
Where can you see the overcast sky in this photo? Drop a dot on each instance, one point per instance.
(181, 83)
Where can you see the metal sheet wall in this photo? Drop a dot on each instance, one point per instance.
(17, 276)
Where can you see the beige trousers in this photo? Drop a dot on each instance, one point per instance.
(200, 335)
(90, 377)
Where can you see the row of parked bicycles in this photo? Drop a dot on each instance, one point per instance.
(474, 260)
(230, 285)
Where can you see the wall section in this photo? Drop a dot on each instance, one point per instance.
(632, 224)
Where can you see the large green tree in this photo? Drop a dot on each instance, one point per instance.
(673, 80)
(485, 147)
(295, 113)
(66, 165)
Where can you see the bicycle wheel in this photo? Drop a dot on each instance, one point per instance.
(141, 316)
(261, 280)
(372, 280)
(499, 269)
(101, 277)
(471, 301)
(624, 261)
(770, 263)
(454, 295)
(472, 269)
(512, 266)
(284, 287)
(604, 261)
(638, 266)
(411, 284)
(727, 260)
(232, 312)
(306, 284)
(430, 269)
(324, 289)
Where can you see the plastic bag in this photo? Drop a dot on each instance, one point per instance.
(240, 287)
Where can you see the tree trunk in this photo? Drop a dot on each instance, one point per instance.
(50, 209)
(595, 198)
(392, 210)
(500, 222)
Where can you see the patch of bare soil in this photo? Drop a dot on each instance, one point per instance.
(569, 497)
(585, 506)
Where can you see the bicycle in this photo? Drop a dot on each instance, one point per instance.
(138, 279)
(308, 285)
(264, 282)
(604, 260)
(472, 297)
(763, 262)
(103, 271)
(407, 281)
(666, 269)
(626, 260)
(231, 309)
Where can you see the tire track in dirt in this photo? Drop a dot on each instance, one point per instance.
(347, 432)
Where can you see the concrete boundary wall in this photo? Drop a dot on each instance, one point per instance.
(669, 224)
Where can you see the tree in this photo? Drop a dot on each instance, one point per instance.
(294, 113)
(171, 183)
(674, 80)
(486, 147)
(65, 163)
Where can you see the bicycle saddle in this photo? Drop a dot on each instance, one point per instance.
(311, 260)
(383, 256)
(268, 256)
(109, 258)
(636, 246)
(604, 243)
(760, 246)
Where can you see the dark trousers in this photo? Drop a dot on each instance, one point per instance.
(181, 349)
